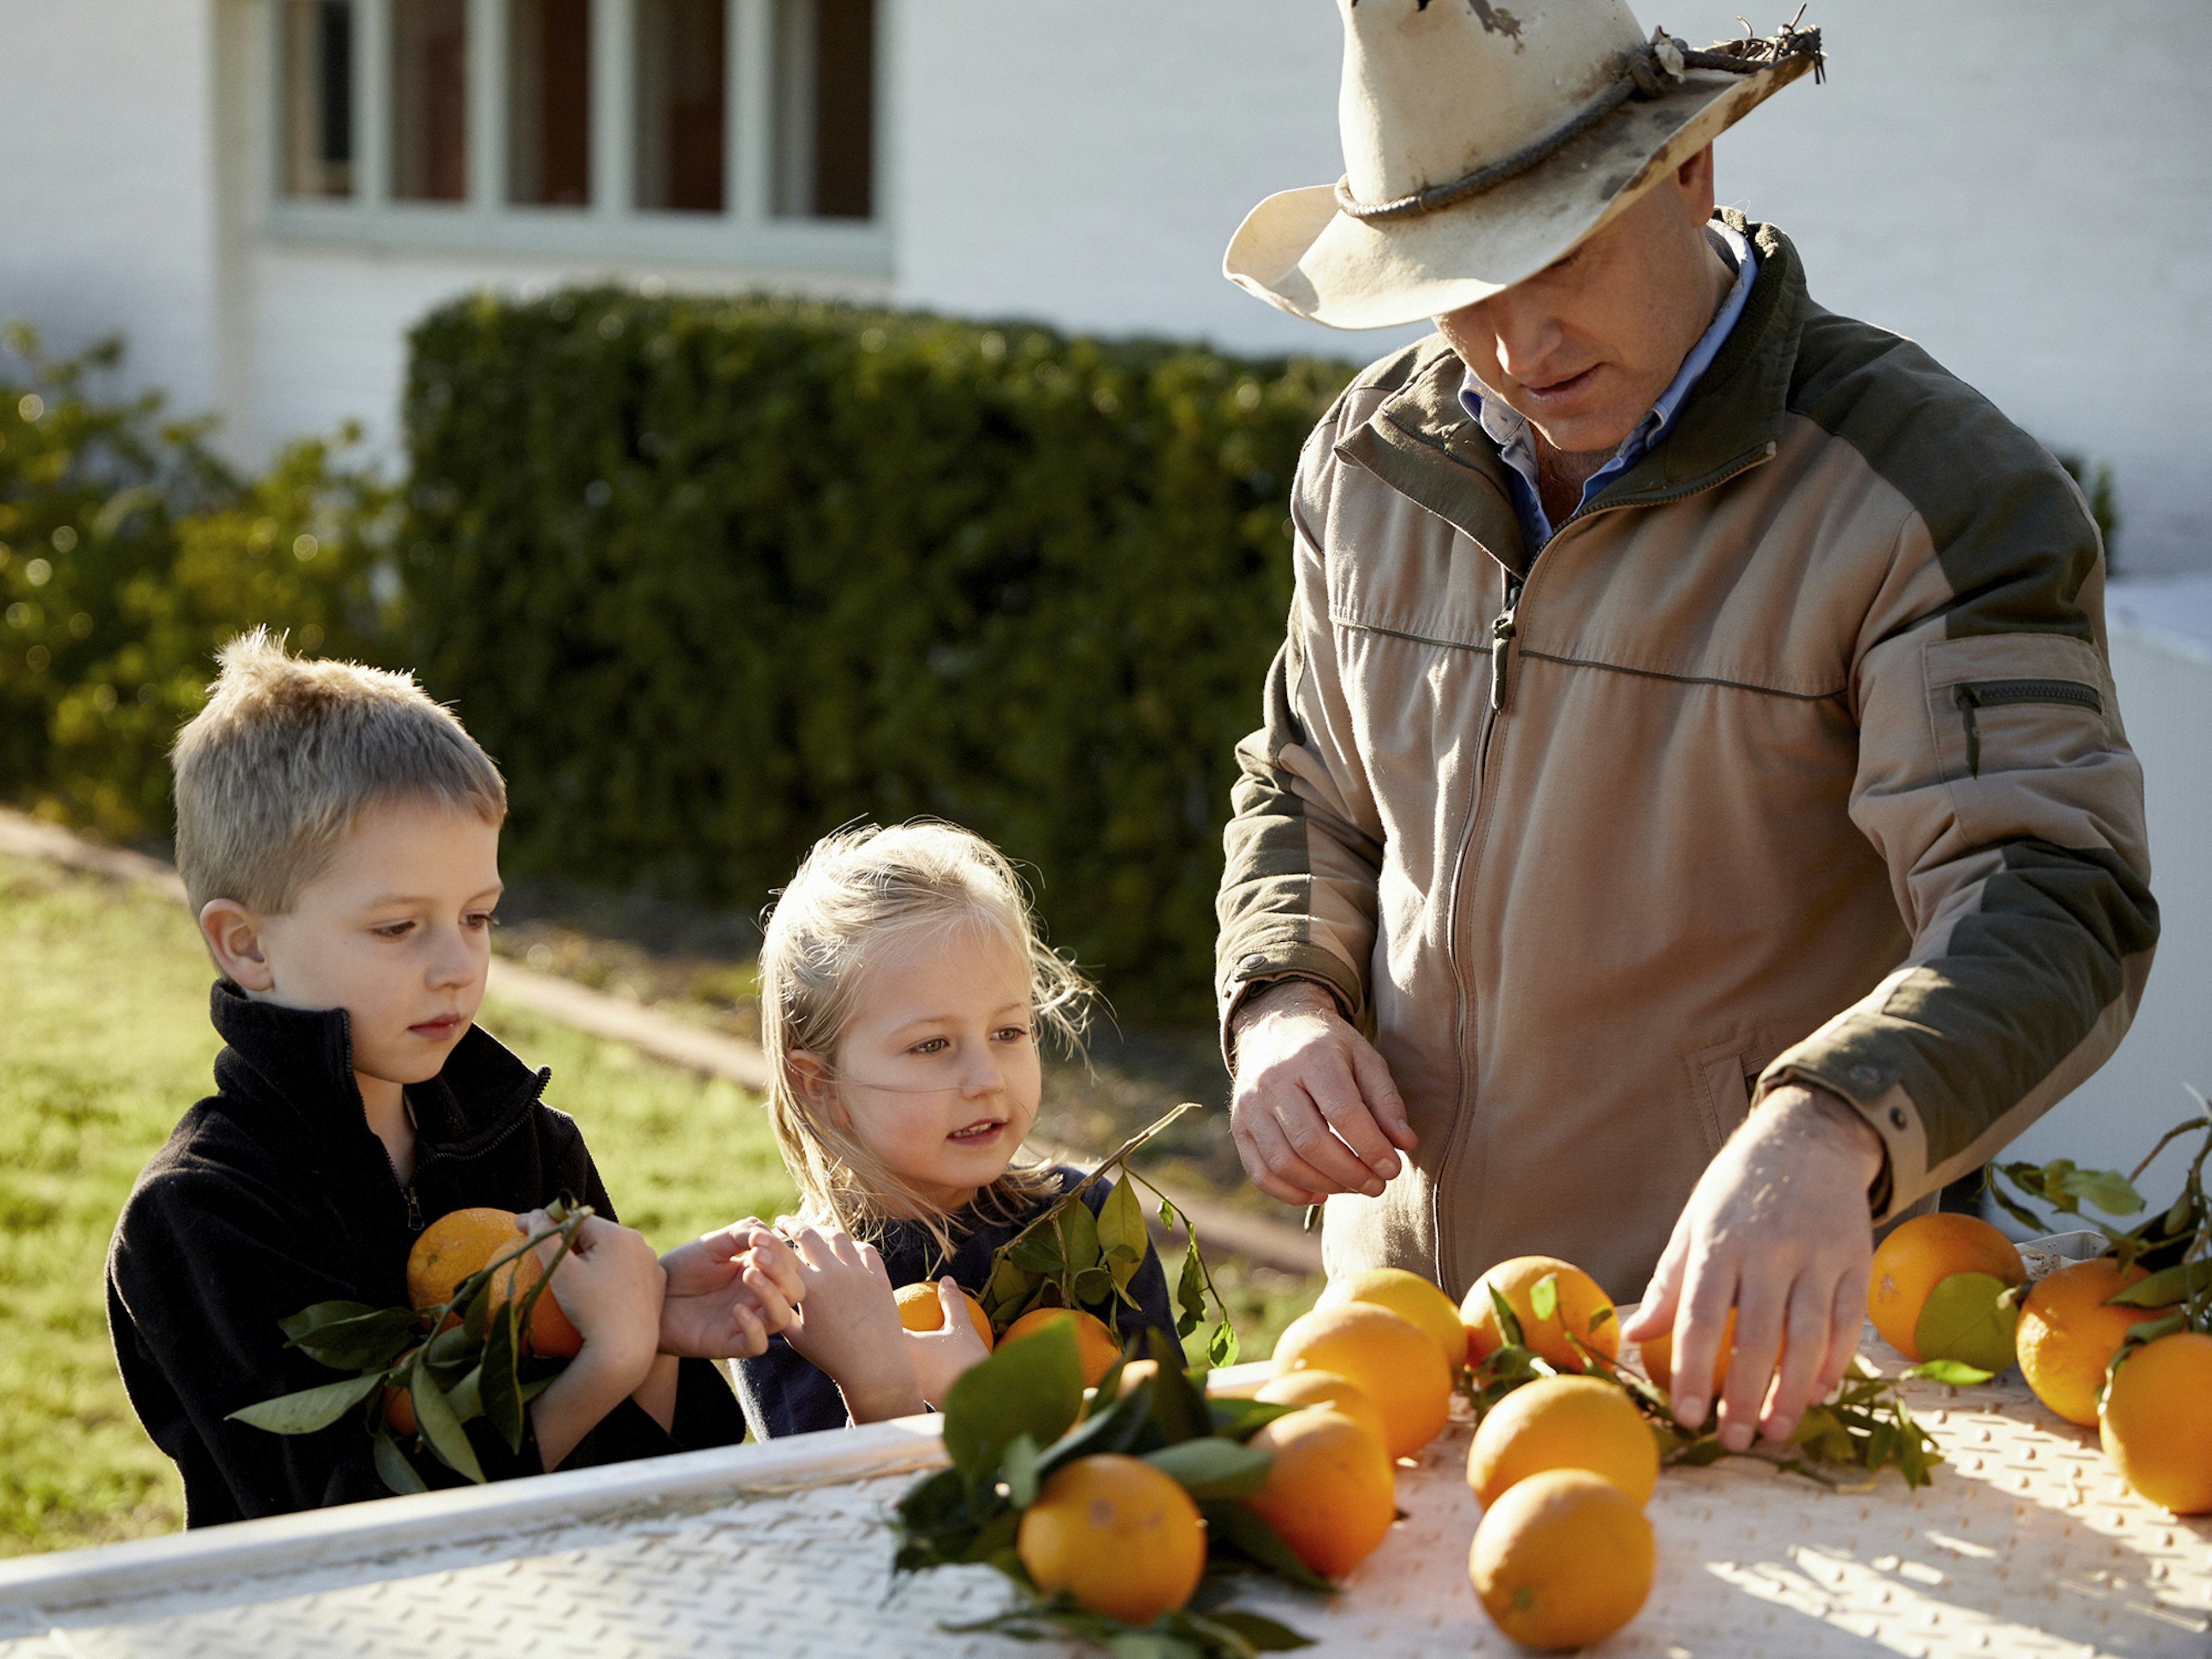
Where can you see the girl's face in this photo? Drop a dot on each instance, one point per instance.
(938, 1073)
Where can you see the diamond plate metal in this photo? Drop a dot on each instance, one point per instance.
(2027, 1544)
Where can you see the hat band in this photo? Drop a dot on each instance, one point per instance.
(1653, 69)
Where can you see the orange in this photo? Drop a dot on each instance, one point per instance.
(1122, 1537)
(1919, 1255)
(1582, 1310)
(1094, 1343)
(1390, 1360)
(1329, 1495)
(1562, 1423)
(1563, 1559)
(466, 1241)
(1658, 1357)
(399, 1405)
(1409, 1295)
(1328, 1388)
(2067, 1335)
(920, 1311)
(2157, 1421)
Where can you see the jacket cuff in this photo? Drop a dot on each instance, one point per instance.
(1874, 1091)
(1253, 971)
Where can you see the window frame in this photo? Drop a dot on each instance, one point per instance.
(747, 233)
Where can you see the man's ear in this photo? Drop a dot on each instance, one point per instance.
(1693, 179)
(233, 934)
(810, 1081)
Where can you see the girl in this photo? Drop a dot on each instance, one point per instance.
(903, 984)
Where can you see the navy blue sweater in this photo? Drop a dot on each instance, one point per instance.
(782, 1393)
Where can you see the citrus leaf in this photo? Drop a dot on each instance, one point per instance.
(1190, 1290)
(1037, 1253)
(320, 1314)
(1230, 1524)
(1239, 1419)
(1603, 1316)
(501, 1388)
(1079, 1238)
(1966, 1318)
(2108, 1191)
(371, 1338)
(2168, 1285)
(441, 1429)
(1509, 1322)
(1017, 1464)
(1121, 1232)
(1544, 1296)
(1119, 1428)
(309, 1409)
(1951, 1372)
(1178, 1403)
(1259, 1634)
(1033, 1387)
(396, 1473)
(1212, 1467)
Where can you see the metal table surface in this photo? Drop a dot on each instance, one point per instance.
(2026, 1544)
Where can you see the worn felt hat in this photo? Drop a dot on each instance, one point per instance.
(1482, 142)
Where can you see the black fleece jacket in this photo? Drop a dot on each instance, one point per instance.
(273, 1194)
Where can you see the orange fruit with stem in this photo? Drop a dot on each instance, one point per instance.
(1552, 1300)
(1562, 1559)
(920, 1309)
(1920, 1255)
(466, 1241)
(1562, 1423)
(2067, 1335)
(1330, 1494)
(1120, 1537)
(2156, 1425)
(1095, 1344)
(1391, 1361)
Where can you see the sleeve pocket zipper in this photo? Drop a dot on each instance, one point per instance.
(1973, 694)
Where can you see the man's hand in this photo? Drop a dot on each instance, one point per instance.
(728, 1292)
(1315, 1111)
(1778, 1230)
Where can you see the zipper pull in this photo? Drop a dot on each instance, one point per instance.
(1501, 644)
(1964, 697)
(414, 1209)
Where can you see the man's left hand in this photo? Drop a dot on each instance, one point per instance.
(1776, 1229)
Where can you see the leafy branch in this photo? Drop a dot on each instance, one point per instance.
(444, 1367)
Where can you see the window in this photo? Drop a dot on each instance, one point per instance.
(429, 101)
(826, 85)
(317, 54)
(549, 102)
(710, 133)
(683, 74)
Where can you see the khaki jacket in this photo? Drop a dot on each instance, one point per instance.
(1794, 758)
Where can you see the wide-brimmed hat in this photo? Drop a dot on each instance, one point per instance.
(1481, 142)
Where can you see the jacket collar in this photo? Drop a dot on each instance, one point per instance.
(300, 1061)
(1422, 442)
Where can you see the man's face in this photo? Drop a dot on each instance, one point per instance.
(396, 930)
(1584, 347)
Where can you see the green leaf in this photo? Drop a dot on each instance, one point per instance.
(441, 1430)
(2168, 1285)
(1121, 1427)
(1966, 1318)
(1601, 1317)
(1222, 1347)
(309, 1409)
(1122, 1233)
(1079, 1238)
(1544, 1297)
(502, 1388)
(322, 1314)
(2109, 1192)
(2151, 1329)
(1038, 1252)
(1509, 1322)
(1033, 1387)
(1951, 1372)
(374, 1338)
(1212, 1467)
(1018, 1466)
(1259, 1634)
(1240, 1419)
(398, 1474)
(467, 1396)
(1230, 1524)
(1190, 1289)
(1178, 1403)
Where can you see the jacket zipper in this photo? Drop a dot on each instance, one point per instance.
(1971, 696)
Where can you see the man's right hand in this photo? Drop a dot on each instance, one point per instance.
(1315, 1111)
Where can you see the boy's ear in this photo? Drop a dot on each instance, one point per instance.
(233, 934)
(810, 1081)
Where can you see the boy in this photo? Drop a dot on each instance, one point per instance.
(338, 836)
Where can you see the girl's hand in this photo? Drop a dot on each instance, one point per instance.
(941, 1357)
(610, 1285)
(729, 1291)
(847, 1325)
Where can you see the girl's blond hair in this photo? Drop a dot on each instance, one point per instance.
(856, 888)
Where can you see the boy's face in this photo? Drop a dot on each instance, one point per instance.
(396, 930)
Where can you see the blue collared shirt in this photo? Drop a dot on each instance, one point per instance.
(1510, 431)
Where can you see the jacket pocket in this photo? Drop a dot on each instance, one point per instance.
(1969, 697)
(1720, 1083)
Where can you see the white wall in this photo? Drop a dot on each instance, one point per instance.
(107, 212)
(2161, 640)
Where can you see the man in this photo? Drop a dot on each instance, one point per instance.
(1692, 821)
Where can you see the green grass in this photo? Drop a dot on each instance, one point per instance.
(105, 988)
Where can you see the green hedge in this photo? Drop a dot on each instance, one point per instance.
(711, 578)
(128, 554)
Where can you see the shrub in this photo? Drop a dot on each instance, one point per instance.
(128, 553)
(712, 577)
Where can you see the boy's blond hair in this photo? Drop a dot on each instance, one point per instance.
(272, 774)
(856, 888)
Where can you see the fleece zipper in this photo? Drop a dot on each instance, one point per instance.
(1973, 695)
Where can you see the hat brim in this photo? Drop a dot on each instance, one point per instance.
(1297, 253)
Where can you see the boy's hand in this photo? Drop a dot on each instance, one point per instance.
(847, 1325)
(729, 1291)
(941, 1357)
(610, 1285)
